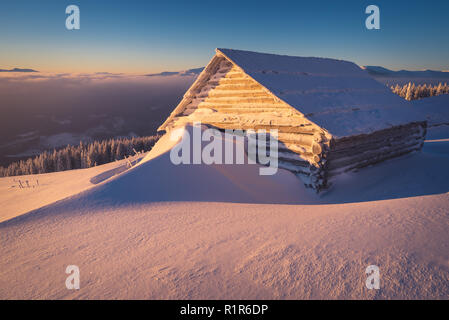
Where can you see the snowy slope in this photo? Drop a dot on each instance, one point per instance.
(163, 231)
(337, 95)
(433, 109)
(43, 189)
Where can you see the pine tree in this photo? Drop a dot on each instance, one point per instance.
(439, 89)
(59, 161)
(417, 92)
(409, 93)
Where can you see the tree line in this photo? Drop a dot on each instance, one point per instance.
(411, 91)
(80, 156)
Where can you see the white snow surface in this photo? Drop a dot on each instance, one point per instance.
(435, 110)
(162, 231)
(337, 95)
(43, 189)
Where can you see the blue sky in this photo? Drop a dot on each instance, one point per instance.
(153, 36)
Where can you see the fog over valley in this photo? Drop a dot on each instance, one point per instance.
(43, 111)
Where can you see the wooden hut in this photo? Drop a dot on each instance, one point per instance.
(330, 114)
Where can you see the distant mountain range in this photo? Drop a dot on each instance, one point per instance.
(190, 72)
(18, 70)
(377, 71)
(381, 73)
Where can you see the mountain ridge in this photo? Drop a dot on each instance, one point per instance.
(18, 70)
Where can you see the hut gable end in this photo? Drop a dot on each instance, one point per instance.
(226, 97)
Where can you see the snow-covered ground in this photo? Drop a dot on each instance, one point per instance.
(223, 231)
(433, 109)
(21, 194)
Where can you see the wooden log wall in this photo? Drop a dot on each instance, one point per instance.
(360, 151)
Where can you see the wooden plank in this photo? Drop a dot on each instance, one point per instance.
(303, 152)
(215, 93)
(316, 148)
(233, 75)
(286, 129)
(214, 105)
(298, 139)
(226, 85)
(239, 100)
(243, 111)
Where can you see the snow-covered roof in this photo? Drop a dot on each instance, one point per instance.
(337, 95)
